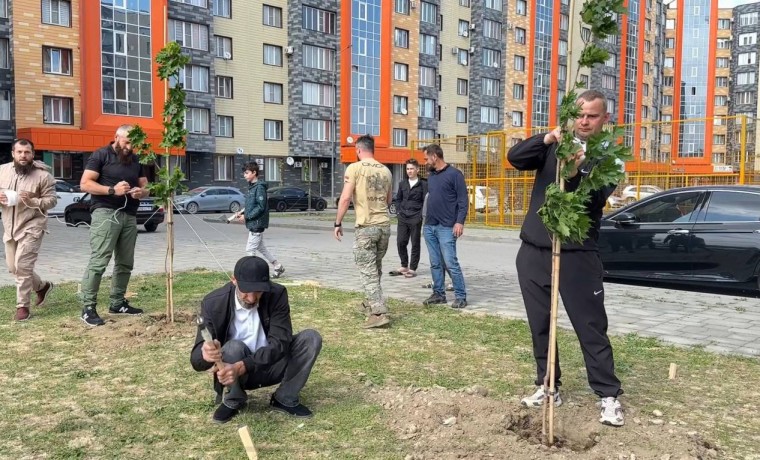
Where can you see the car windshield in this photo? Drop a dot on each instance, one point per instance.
(196, 191)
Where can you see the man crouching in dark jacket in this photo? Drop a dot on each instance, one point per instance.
(249, 319)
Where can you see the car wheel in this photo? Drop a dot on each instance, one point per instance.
(151, 226)
(630, 199)
(281, 206)
(192, 208)
(234, 206)
(321, 205)
(392, 208)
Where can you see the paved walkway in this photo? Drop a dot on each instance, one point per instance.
(725, 324)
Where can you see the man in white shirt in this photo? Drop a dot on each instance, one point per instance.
(249, 319)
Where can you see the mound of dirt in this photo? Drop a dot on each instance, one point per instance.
(134, 330)
(437, 423)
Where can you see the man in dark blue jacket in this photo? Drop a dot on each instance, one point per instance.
(580, 281)
(256, 216)
(254, 345)
(446, 209)
(409, 200)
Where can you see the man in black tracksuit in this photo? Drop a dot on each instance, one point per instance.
(581, 269)
(409, 200)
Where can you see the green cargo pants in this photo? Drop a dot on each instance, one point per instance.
(370, 246)
(111, 233)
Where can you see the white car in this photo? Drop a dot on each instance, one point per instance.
(478, 198)
(66, 194)
(634, 193)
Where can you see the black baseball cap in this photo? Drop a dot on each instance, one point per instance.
(252, 274)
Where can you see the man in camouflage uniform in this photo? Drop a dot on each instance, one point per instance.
(370, 185)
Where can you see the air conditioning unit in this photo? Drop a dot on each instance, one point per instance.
(455, 50)
(465, 33)
(298, 164)
(472, 26)
(227, 55)
(728, 98)
(288, 50)
(412, 4)
(323, 165)
(472, 50)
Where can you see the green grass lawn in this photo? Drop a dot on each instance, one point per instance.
(126, 390)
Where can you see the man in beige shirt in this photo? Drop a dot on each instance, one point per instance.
(370, 184)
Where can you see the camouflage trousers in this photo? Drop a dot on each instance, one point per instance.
(370, 246)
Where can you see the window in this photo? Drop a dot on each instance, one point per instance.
(720, 100)
(401, 105)
(585, 34)
(563, 47)
(489, 115)
(491, 29)
(665, 138)
(272, 169)
(272, 130)
(58, 110)
(670, 43)
(272, 93)
(748, 39)
(427, 76)
(55, 12)
(224, 87)
(745, 78)
(3, 8)
(517, 118)
(310, 171)
(318, 94)
(670, 24)
(273, 55)
(721, 82)
(643, 133)
(399, 137)
(667, 81)
(197, 120)
(193, 78)
(724, 43)
(425, 135)
(54, 60)
(426, 107)
(644, 111)
(317, 130)
(464, 28)
(747, 58)
(491, 58)
(401, 38)
(189, 34)
(519, 35)
(318, 20)
(722, 62)
(519, 63)
(201, 3)
(584, 81)
(748, 19)
(224, 126)
(461, 115)
(564, 22)
(491, 87)
(222, 8)
(5, 105)
(400, 71)
(465, 3)
(272, 16)
(610, 62)
(647, 46)
(463, 57)
(645, 89)
(494, 4)
(429, 13)
(609, 82)
(223, 47)
(521, 7)
(401, 7)
(669, 62)
(62, 167)
(719, 139)
(745, 97)
(428, 44)
(223, 168)
(562, 72)
(724, 24)
(518, 91)
(462, 87)
(5, 58)
(733, 207)
(316, 57)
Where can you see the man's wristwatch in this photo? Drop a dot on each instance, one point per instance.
(111, 190)
(338, 224)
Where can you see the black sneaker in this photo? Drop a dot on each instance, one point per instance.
(91, 318)
(299, 411)
(224, 414)
(125, 309)
(435, 299)
(459, 303)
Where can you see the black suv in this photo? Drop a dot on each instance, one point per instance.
(148, 214)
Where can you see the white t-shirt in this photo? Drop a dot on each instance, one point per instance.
(413, 182)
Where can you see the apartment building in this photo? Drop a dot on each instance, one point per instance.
(745, 22)
(7, 128)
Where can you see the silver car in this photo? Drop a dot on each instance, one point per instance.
(211, 199)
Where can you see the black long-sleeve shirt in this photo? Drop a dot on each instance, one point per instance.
(533, 155)
(447, 198)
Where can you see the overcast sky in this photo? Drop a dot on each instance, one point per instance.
(732, 3)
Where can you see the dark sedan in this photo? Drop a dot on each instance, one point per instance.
(703, 238)
(148, 214)
(287, 198)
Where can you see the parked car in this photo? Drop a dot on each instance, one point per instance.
(211, 199)
(286, 198)
(633, 192)
(66, 193)
(148, 214)
(483, 199)
(704, 238)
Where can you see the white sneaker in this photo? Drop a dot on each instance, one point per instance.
(537, 398)
(612, 412)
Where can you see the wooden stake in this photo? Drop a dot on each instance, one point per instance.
(250, 449)
(673, 371)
